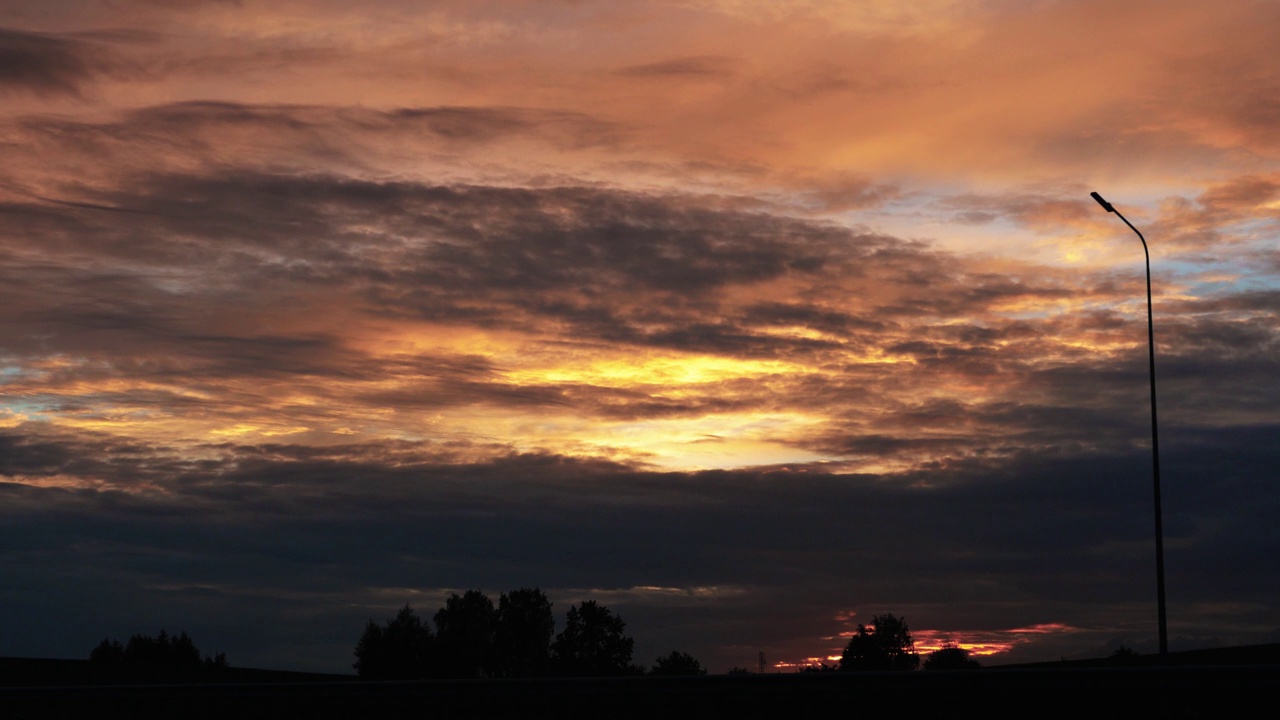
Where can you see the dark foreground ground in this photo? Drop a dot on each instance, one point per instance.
(1136, 692)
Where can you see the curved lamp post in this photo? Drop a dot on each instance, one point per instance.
(1155, 439)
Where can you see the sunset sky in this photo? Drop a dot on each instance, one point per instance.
(748, 319)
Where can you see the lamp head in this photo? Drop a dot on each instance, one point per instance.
(1105, 205)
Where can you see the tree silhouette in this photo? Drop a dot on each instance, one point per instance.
(950, 657)
(522, 634)
(155, 659)
(403, 650)
(464, 634)
(886, 645)
(107, 652)
(677, 663)
(592, 644)
(177, 651)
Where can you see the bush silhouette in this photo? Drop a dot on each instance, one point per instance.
(886, 645)
(677, 663)
(950, 657)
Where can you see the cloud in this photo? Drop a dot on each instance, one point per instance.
(303, 522)
(452, 249)
(65, 64)
(45, 64)
(709, 66)
(861, 322)
(440, 144)
(319, 316)
(1038, 212)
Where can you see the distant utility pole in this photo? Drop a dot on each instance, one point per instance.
(1155, 435)
(761, 662)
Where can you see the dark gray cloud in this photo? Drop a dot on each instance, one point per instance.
(811, 316)
(45, 64)
(208, 274)
(483, 254)
(474, 124)
(214, 135)
(63, 63)
(326, 123)
(336, 534)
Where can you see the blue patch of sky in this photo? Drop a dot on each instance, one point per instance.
(1259, 282)
(27, 408)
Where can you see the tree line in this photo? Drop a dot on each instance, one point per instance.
(473, 638)
(886, 645)
(165, 657)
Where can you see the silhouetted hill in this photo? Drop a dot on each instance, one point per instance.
(38, 672)
(1223, 682)
(1191, 692)
(1243, 655)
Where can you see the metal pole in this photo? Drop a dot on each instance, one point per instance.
(1155, 435)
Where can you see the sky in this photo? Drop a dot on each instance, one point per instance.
(749, 320)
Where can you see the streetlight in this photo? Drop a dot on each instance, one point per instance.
(1155, 438)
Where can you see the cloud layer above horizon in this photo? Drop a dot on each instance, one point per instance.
(749, 322)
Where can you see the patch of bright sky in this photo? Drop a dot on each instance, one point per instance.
(254, 430)
(918, 216)
(653, 370)
(721, 441)
(1261, 234)
(921, 214)
(1199, 278)
(25, 408)
(1211, 284)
